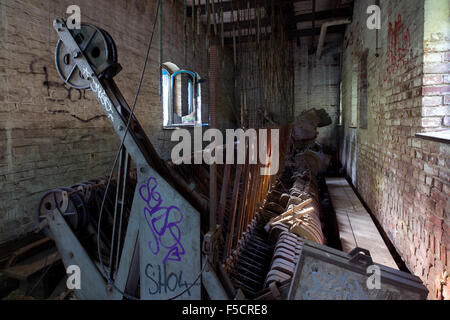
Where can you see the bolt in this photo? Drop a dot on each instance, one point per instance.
(142, 169)
(120, 127)
(71, 255)
(77, 54)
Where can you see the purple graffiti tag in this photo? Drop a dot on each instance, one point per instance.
(163, 222)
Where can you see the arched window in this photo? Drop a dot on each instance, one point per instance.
(181, 96)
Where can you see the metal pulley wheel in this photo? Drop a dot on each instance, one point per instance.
(96, 45)
(68, 203)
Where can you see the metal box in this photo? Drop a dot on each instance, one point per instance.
(323, 273)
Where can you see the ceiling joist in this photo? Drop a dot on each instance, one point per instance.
(292, 34)
(230, 6)
(319, 15)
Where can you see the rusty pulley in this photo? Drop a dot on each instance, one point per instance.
(96, 45)
(68, 203)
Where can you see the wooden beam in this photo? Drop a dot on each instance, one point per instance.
(226, 5)
(243, 204)
(319, 15)
(232, 216)
(324, 15)
(223, 194)
(292, 34)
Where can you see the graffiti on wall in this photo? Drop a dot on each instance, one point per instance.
(398, 46)
(163, 223)
(72, 94)
(38, 68)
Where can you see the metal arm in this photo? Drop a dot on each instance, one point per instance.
(162, 223)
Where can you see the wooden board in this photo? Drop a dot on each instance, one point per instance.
(30, 266)
(356, 227)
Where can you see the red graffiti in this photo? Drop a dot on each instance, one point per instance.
(398, 46)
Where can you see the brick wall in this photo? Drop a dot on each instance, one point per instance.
(53, 136)
(403, 179)
(317, 84)
(436, 69)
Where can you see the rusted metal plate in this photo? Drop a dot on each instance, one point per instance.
(324, 273)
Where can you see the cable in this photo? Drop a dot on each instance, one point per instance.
(193, 283)
(41, 278)
(110, 282)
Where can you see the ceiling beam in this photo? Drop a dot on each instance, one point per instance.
(292, 34)
(227, 5)
(319, 15)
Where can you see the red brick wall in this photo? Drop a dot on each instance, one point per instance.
(403, 179)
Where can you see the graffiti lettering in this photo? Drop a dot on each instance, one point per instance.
(398, 46)
(163, 282)
(163, 223)
(72, 94)
(101, 95)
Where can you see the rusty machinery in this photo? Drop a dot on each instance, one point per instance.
(142, 237)
(138, 234)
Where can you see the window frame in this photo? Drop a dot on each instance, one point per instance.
(171, 95)
(354, 102)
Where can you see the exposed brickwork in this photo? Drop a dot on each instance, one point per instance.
(51, 135)
(436, 66)
(404, 180)
(317, 84)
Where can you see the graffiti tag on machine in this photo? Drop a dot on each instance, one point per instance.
(101, 95)
(164, 282)
(163, 223)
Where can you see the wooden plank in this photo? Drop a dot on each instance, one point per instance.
(227, 6)
(232, 218)
(27, 249)
(32, 265)
(243, 204)
(291, 210)
(251, 198)
(256, 192)
(223, 193)
(356, 227)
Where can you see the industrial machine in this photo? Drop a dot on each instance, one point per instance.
(155, 234)
(146, 232)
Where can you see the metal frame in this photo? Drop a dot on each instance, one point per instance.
(173, 219)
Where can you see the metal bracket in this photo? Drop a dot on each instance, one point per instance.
(360, 256)
(210, 242)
